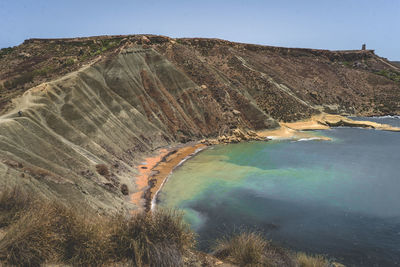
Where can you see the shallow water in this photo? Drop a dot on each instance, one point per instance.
(339, 198)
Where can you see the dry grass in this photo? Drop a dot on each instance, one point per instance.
(161, 238)
(35, 238)
(244, 249)
(305, 260)
(47, 232)
(251, 249)
(12, 201)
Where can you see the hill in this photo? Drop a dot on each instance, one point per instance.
(78, 115)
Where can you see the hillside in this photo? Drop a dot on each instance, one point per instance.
(90, 108)
(396, 63)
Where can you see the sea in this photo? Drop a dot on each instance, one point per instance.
(338, 198)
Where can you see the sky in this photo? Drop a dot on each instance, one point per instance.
(325, 24)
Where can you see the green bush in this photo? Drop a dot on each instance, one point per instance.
(6, 51)
(392, 75)
(69, 62)
(347, 63)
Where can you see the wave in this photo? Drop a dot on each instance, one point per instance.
(308, 139)
(379, 117)
(386, 117)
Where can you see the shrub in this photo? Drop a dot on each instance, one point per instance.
(392, 75)
(124, 189)
(305, 260)
(69, 62)
(251, 249)
(347, 63)
(157, 239)
(102, 169)
(86, 241)
(7, 85)
(6, 51)
(246, 248)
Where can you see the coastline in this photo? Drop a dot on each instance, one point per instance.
(301, 129)
(155, 170)
(154, 197)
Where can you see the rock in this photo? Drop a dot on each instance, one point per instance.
(314, 94)
(145, 39)
(236, 112)
(252, 133)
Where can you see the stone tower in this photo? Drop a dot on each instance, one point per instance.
(363, 47)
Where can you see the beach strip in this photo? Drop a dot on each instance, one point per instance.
(155, 170)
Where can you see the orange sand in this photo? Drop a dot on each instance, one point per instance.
(165, 168)
(142, 178)
(157, 170)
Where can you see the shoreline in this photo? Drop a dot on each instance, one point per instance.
(155, 170)
(300, 129)
(154, 198)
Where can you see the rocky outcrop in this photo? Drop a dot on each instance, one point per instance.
(236, 136)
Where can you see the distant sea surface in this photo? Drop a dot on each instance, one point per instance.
(340, 198)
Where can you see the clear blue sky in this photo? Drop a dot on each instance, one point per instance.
(328, 24)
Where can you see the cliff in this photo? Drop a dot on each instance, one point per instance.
(79, 114)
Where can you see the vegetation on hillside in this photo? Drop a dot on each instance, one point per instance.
(37, 61)
(39, 232)
(390, 74)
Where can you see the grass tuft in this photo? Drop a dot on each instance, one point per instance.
(245, 248)
(305, 260)
(12, 201)
(161, 238)
(251, 249)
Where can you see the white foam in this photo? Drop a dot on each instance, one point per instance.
(308, 139)
(387, 117)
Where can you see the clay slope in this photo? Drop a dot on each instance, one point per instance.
(109, 113)
(145, 92)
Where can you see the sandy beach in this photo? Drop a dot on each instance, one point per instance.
(155, 170)
(145, 170)
(302, 129)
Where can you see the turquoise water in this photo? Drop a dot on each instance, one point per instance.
(340, 198)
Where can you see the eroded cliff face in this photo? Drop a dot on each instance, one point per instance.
(79, 137)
